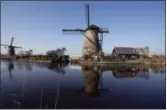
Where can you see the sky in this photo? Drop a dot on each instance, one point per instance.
(38, 25)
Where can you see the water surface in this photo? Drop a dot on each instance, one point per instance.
(43, 85)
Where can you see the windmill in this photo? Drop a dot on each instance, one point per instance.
(11, 48)
(93, 36)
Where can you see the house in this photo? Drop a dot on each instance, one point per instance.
(131, 53)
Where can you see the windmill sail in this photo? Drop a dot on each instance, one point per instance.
(87, 15)
(73, 31)
(11, 42)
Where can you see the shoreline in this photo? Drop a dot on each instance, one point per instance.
(120, 63)
(47, 61)
(89, 62)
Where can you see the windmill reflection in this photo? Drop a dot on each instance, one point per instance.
(10, 69)
(92, 80)
(58, 67)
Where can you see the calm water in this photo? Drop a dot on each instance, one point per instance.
(40, 85)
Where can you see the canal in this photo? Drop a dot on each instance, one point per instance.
(44, 85)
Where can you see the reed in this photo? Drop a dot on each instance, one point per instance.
(17, 103)
(41, 98)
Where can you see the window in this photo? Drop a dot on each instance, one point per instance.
(123, 56)
(133, 57)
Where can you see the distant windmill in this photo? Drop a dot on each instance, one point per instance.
(11, 48)
(93, 36)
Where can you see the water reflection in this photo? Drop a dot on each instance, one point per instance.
(131, 72)
(24, 65)
(93, 75)
(93, 80)
(98, 82)
(20, 65)
(41, 65)
(10, 69)
(28, 66)
(58, 68)
(156, 69)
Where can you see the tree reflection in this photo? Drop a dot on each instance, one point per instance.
(24, 65)
(41, 64)
(58, 67)
(156, 69)
(19, 65)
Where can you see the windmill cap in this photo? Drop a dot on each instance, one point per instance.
(93, 27)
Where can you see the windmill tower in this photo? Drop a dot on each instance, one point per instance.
(11, 48)
(93, 36)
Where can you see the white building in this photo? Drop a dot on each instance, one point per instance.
(75, 56)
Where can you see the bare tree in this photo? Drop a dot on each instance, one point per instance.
(31, 52)
(63, 50)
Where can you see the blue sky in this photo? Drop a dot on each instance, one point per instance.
(38, 25)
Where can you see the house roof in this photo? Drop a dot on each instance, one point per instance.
(131, 50)
(125, 50)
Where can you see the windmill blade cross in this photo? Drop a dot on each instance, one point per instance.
(73, 31)
(17, 47)
(12, 41)
(87, 15)
(5, 45)
(104, 30)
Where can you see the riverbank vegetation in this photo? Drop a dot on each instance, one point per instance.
(57, 55)
(154, 59)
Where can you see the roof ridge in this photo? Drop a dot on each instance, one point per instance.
(124, 47)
